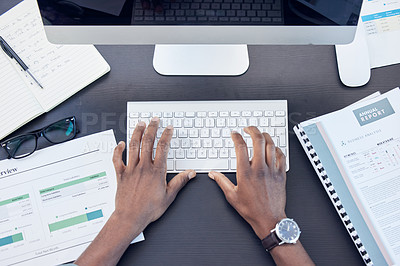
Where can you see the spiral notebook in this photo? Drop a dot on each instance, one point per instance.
(63, 70)
(356, 154)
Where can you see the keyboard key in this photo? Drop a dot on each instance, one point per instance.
(271, 131)
(201, 114)
(188, 122)
(226, 133)
(198, 122)
(278, 122)
(233, 164)
(258, 113)
(235, 113)
(174, 143)
(218, 143)
(177, 122)
(201, 154)
(193, 133)
(263, 122)
(183, 133)
(246, 113)
(133, 123)
(253, 122)
(224, 114)
(207, 143)
(186, 143)
(232, 122)
(213, 154)
(167, 114)
(191, 154)
(205, 133)
(179, 154)
(210, 122)
(134, 114)
(179, 114)
(212, 114)
(157, 114)
(202, 165)
(190, 114)
(145, 114)
(196, 143)
(215, 133)
(280, 113)
(269, 113)
(224, 153)
(229, 143)
(280, 131)
(242, 122)
(166, 122)
(221, 122)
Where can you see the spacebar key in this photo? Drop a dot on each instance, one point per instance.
(202, 165)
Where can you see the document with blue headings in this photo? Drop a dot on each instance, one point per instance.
(55, 201)
(356, 154)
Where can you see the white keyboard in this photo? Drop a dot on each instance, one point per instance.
(202, 129)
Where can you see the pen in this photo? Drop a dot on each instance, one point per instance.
(13, 55)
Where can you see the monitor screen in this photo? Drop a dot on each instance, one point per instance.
(200, 21)
(200, 12)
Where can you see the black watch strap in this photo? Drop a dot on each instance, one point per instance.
(270, 241)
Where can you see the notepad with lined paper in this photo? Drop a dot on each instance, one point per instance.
(63, 70)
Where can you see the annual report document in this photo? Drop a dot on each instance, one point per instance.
(364, 142)
(55, 201)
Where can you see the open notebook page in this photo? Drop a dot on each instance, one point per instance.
(17, 104)
(61, 69)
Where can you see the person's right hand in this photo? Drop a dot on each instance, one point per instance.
(260, 194)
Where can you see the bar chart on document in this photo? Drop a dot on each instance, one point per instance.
(64, 206)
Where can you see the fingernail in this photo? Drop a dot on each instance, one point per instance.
(234, 132)
(191, 174)
(120, 143)
(140, 124)
(210, 175)
(155, 119)
(169, 127)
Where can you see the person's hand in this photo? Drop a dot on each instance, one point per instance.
(260, 194)
(143, 193)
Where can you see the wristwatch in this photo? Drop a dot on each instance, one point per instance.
(285, 232)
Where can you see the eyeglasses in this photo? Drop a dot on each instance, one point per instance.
(24, 145)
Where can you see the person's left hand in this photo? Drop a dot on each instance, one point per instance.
(143, 193)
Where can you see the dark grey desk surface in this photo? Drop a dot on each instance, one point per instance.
(200, 228)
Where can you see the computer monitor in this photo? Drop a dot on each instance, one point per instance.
(200, 37)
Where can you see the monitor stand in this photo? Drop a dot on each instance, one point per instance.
(201, 60)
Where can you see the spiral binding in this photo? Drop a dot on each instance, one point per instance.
(326, 182)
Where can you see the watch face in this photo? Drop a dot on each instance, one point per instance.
(288, 231)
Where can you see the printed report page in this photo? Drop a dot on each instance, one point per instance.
(364, 140)
(55, 201)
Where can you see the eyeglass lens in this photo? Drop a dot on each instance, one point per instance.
(21, 146)
(60, 131)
